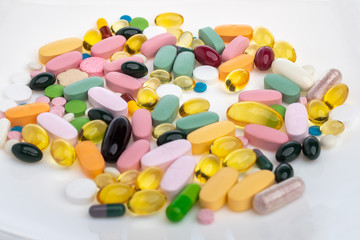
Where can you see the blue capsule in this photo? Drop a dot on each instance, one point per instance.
(125, 17)
(17, 128)
(200, 87)
(86, 55)
(315, 130)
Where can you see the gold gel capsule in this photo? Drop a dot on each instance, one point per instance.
(185, 39)
(63, 152)
(93, 131)
(193, 106)
(332, 127)
(91, 37)
(134, 43)
(207, 166)
(196, 42)
(186, 83)
(252, 49)
(115, 193)
(237, 80)
(146, 202)
(152, 82)
(221, 147)
(169, 19)
(104, 179)
(162, 128)
(129, 177)
(36, 135)
(318, 111)
(162, 75)
(118, 25)
(283, 49)
(336, 95)
(147, 98)
(176, 31)
(119, 55)
(240, 159)
(263, 37)
(150, 178)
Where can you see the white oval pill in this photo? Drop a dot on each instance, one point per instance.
(8, 145)
(169, 89)
(310, 69)
(19, 93)
(6, 104)
(112, 171)
(4, 129)
(345, 113)
(69, 117)
(153, 31)
(81, 191)
(206, 74)
(34, 65)
(328, 141)
(296, 122)
(20, 77)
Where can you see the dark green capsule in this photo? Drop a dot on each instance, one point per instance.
(170, 136)
(42, 81)
(262, 161)
(288, 152)
(280, 109)
(100, 114)
(283, 172)
(107, 210)
(27, 152)
(311, 148)
(134, 69)
(128, 32)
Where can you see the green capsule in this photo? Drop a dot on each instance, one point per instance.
(262, 161)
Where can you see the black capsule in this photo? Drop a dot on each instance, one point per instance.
(128, 32)
(116, 139)
(311, 148)
(170, 136)
(100, 114)
(42, 81)
(134, 69)
(283, 172)
(262, 161)
(27, 152)
(288, 152)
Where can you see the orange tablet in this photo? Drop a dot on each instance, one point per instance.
(243, 61)
(90, 159)
(230, 31)
(25, 114)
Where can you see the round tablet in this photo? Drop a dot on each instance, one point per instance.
(14, 135)
(34, 73)
(54, 91)
(20, 77)
(77, 107)
(205, 216)
(153, 31)
(79, 122)
(94, 66)
(206, 74)
(112, 171)
(58, 101)
(81, 191)
(8, 145)
(43, 99)
(59, 109)
(34, 65)
(5, 104)
(69, 117)
(200, 87)
(169, 89)
(345, 113)
(20, 93)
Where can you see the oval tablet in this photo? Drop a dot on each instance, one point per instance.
(165, 110)
(202, 138)
(57, 127)
(90, 159)
(192, 122)
(243, 61)
(25, 114)
(165, 58)
(213, 193)
(163, 156)
(152, 45)
(240, 196)
(142, 124)
(235, 48)
(230, 31)
(54, 49)
(115, 66)
(79, 90)
(122, 83)
(265, 96)
(178, 175)
(130, 158)
(108, 46)
(296, 122)
(212, 39)
(184, 64)
(104, 98)
(64, 62)
(289, 90)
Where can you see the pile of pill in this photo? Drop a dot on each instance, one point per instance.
(108, 130)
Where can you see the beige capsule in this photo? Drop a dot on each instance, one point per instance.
(118, 25)
(185, 39)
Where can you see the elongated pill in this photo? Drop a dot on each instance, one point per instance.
(184, 64)
(142, 124)
(279, 195)
(230, 31)
(165, 58)
(243, 61)
(130, 158)
(25, 114)
(206, 55)
(213, 193)
(90, 159)
(146, 202)
(107, 210)
(192, 122)
(235, 48)
(122, 83)
(265, 96)
(79, 90)
(4, 129)
(289, 90)
(240, 196)
(329, 79)
(151, 46)
(169, 19)
(296, 122)
(107, 47)
(165, 110)
(115, 66)
(212, 39)
(64, 62)
(54, 49)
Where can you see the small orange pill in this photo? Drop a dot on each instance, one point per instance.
(26, 114)
(90, 159)
(243, 61)
(230, 31)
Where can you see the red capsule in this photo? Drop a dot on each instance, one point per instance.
(206, 55)
(263, 58)
(127, 97)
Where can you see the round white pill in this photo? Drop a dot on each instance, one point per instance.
(328, 141)
(345, 113)
(169, 89)
(69, 117)
(8, 145)
(20, 77)
(206, 74)
(34, 65)
(112, 171)
(19, 93)
(81, 191)
(5, 104)
(153, 31)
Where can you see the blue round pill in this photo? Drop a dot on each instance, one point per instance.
(314, 130)
(17, 128)
(86, 55)
(200, 87)
(125, 17)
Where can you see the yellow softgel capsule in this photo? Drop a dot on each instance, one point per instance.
(194, 106)
(162, 128)
(134, 43)
(146, 202)
(318, 111)
(221, 147)
(128, 177)
(332, 127)
(252, 49)
(119, 55)
(263, 37)
(118, 25)
(152, 82)
(186, 83)
(36, 135)
(104, 179)
(93, 131)
(283, 49)
(336, 95)
(207, 166)
(150, 178)
(115, 193)
(132, 107)
(162, 75)
(248, 112)
(196, 42)
(169, 19)
(147, 98)
(237, 80)
(185, 39)
(241, 159)
(91, 37)
(176, 31)
(63, 152)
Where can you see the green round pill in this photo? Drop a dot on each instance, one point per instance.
(139, 22)
(54, 91)
(78, 123)
(77, 107)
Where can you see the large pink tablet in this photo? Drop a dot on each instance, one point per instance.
(104, 98)
(163, 156)
(265, 96)
(123, 83)
(151, 46)
(265, 137)
(130, 158)
(64, 62)
(236, 47)
(108, 46)
(57, 127)
(142, 124)
(115, 66)
(179, 174)
(296, 122)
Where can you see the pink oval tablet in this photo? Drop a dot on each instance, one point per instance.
(151, 46)
(57, 127)
(265, 96)
(180, 173)
(58, 101)
(130, 158)
(104, 98)
(115, 66)
(43, 99)
(141, 124)
(236, 47)
(205, 216)
(244, 140)
(64, 62)
(265, 137)
(108, 46)
(123, 83)
(163, 156)
(296, 122)
(93, 66)
(14, 135)
(34, 73)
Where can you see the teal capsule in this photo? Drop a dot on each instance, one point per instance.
(183, 202)
(107, 210)
(262, 161)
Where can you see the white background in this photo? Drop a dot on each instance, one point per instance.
(324, 34)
